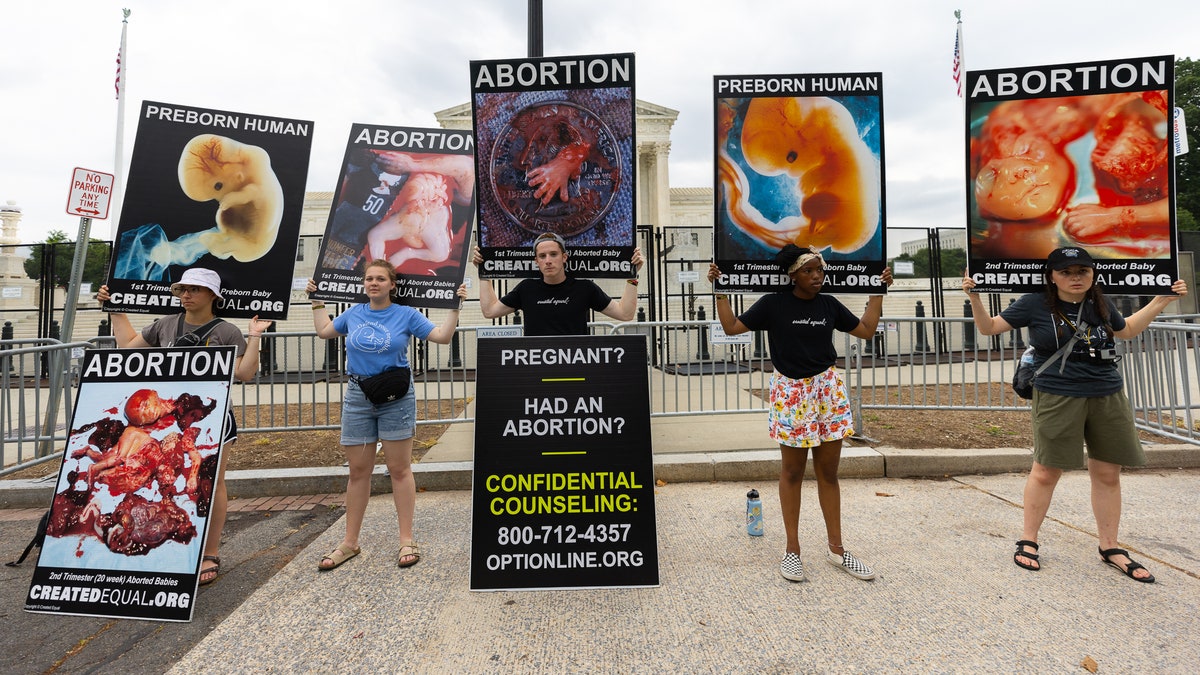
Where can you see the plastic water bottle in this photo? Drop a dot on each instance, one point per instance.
(754, 521)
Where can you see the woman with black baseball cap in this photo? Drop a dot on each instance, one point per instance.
(1080, 398)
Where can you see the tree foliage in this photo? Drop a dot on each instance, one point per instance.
(953, 260)
(1187, 166)
(61, 252)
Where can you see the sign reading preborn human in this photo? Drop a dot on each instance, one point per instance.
(130, 509)
(799, 160)
(555, 154)
(1072, 155)
(213, 189)
(563, 487)
(407, 196)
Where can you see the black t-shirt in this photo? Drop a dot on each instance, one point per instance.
(1050, 329)
(799, 331)
(557, 309)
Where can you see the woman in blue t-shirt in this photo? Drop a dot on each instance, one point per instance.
(1081, 397)
(377, 335)
(808, 405)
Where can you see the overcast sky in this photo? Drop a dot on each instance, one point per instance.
(399, 61)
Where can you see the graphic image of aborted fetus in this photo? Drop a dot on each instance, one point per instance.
(249, 196)
(421, 219)
(555, 150)
(815, 141)
(1130, 164)
(1021, 168)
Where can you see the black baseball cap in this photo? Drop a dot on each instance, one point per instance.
(1062, 258)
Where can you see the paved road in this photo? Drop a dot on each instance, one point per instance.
(948, 598)
(257, 545)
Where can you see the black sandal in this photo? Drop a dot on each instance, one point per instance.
(1032, 556)
(1107, 555)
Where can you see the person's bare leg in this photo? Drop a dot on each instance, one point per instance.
(1039, 490)
(398, 455)
(826, 458)
(791, 477)
(216, 519)
(1106, 505)
(358, 489)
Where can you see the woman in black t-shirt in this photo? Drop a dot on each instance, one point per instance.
(808, 405)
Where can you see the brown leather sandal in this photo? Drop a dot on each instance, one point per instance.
(337, 557)
(413, 555)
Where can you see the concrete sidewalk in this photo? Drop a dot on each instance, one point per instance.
(948, 597)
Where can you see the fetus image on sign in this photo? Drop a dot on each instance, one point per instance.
(248, 208)
(798, 171)
(135, 476)
(1073, 170)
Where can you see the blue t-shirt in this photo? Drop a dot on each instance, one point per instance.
(799, 331)
(377, 339)
(1050, 329)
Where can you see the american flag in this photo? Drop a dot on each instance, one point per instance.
(958, 60)
(117, 84)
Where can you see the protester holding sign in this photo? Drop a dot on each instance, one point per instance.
(379, 403)
(199, 290)
(558, 304)
(809, 407)
(1080, 398)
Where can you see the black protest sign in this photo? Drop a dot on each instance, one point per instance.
(213, 189)
(130, 510)
(406, 196)
(556, 154)
(563, 492)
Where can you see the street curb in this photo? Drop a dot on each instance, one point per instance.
(701, 467)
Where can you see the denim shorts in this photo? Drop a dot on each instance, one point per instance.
(365, 422)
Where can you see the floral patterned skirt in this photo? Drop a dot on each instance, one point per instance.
(808, 412)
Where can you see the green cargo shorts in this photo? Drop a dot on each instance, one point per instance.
(1061, 424)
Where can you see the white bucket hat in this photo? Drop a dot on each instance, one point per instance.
(198, 276)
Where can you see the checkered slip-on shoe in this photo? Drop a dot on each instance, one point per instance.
(853, 566)
(792, 568)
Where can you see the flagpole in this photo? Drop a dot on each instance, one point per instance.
(119, 152)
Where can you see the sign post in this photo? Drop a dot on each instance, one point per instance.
(91, 193)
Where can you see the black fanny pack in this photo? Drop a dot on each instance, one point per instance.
(388, 386)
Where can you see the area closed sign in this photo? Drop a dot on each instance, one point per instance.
(91, 192)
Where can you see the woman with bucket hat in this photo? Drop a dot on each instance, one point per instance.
(199, 291)
(1079, 398)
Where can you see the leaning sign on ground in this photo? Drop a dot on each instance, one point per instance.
(130, 510)
(563, 489)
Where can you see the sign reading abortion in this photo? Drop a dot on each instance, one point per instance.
(556, 154)
(130, 510)
(407, 196)
(1074, 154)
(563, 491)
